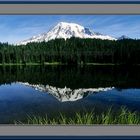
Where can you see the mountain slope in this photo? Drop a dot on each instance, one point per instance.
(123, 37)
(66, 30)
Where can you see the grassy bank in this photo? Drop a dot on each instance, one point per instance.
(58, 63)
(104, 64)
(30, 64)
(109, 117)
(18, 64)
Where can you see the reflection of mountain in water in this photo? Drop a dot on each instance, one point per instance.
(66, 94)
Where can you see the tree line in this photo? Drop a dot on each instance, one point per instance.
(73, 51)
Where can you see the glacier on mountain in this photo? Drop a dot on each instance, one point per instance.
(66, 30)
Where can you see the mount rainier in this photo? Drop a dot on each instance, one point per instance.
(66, 30)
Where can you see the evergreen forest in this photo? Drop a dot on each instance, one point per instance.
(72, 51)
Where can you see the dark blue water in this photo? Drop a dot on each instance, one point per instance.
(17, 100)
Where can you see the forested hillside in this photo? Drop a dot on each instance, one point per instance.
(73, 51)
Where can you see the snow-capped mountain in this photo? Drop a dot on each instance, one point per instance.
(66, 94)
(123, 37)
(66, 30)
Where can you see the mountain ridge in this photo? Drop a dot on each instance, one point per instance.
(66, 30)
(124, 37)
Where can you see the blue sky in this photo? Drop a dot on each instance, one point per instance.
(15, 28)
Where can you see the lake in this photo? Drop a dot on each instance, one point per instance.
(41, 90)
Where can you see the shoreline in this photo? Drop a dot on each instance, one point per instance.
(58, 63)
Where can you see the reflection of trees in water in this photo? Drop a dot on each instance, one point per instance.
(73, 76)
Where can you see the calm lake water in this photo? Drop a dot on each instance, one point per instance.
(41, 90)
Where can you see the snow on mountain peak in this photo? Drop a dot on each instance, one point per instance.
(66, 30)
